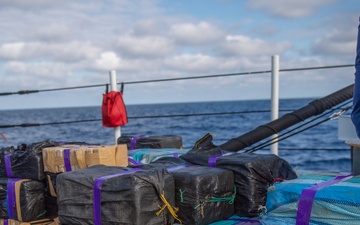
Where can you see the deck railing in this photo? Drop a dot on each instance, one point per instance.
(275, 71)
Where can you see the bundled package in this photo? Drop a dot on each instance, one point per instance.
(25, 161)
(314, 199)
(141, 141)
(253, 173)
(116, 195)
(203, 195)
(22, 199)
(147, 155)
(60, 159)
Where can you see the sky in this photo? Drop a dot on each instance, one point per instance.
(70, 43)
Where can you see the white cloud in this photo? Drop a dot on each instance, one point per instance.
(108, 61)
(35, 70)
(29, 4)
(68, 52)
(196, 34)
(246, 46)
(149, 46)
(51, 32)
(289, 8)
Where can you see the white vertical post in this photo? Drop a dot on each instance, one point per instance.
(274, 97)
(113, 85)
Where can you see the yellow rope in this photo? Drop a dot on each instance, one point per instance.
(171, 209)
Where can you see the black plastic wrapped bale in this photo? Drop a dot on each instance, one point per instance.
(22, 199)
(164, 141)
(50, 195)
(203, 194)
(253, 173)
(170, 161)
(116, 195)
(24, 161)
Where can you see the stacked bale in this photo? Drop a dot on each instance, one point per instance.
(65, 158)
(116, 195)
(22, 185)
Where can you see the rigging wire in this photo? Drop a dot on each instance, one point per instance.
(22, 92)
(288, 134)
(141, 117)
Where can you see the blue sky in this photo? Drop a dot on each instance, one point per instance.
(53, 44)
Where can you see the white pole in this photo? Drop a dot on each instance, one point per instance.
(274, 97)
(113, 85)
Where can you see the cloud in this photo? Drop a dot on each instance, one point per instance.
(29, 4)
(246, 46)
(39, 72)
(51, 32)
(289, 9)
(195, 34)
(148, 46)
(338, 39)
(68, 52)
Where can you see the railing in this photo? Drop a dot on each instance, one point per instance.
(24, 92)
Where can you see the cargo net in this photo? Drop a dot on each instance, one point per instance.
(336, 204)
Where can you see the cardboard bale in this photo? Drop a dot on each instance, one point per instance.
(69, 158)
(22, 199)
(203, 194)
(116, 195)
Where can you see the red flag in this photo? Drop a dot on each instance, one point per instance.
(113, 110)
(3, 136)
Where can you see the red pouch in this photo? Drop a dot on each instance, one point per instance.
(113, 110)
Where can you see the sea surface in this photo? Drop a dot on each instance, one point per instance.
(302, 151)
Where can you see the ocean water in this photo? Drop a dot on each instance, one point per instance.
(301, 150)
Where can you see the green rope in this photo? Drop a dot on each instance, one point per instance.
(181, 195)
(43, 213)
(223, 199)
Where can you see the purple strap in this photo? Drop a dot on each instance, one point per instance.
(8, 165)
(133, 141)
(6, 222)
(134, 162)
(176, 155)
(307, 198)
(67, 161)
(212, 160)
(97, 192)
(11, 196)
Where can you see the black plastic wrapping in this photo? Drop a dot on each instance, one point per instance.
(26, 160)
(125, 199)
(204, 194)
(164, 141)
(253, 173)
(32, 202)
(51, 195)
(169, 162)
